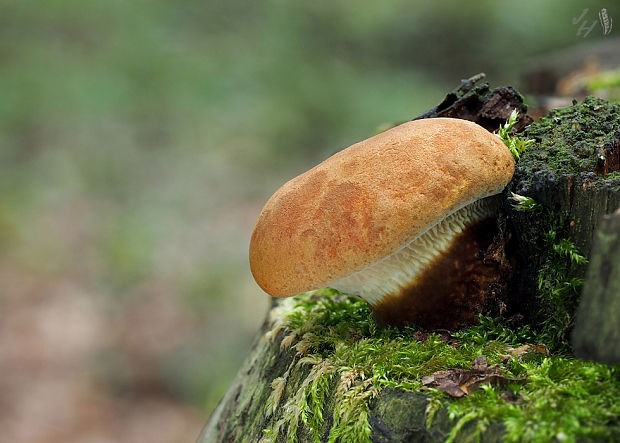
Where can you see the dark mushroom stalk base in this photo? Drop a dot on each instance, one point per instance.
(443, 278)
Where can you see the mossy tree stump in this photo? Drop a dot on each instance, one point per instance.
(319, 370)
(571, 173)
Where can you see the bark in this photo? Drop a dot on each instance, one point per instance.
(240, 415)
(574, 210)
(396, 415)
(597, 332)
(473, 100)
(572, 196)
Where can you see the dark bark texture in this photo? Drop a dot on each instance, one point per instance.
(597, 331)
(571, 172)
(473, 100)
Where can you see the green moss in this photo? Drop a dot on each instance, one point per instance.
(336, 336)
(611, 181)
(559, 285)
(516, 144)
(570, 141)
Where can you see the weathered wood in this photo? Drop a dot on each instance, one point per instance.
(399, 416)
(597, 331)
(571, 204)
(241, 415)
(572, 174)
(475, 101)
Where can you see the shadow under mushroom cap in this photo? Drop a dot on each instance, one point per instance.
(439, 280)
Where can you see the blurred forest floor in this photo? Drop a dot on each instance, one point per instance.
(139, 141)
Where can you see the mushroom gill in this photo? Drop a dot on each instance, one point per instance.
(443, 267)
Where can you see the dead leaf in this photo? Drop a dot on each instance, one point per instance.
(480, 363)
(420, 336)
(460, 382)
(542, 349)
(444, 335)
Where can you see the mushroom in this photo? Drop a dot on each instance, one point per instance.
(401, 219)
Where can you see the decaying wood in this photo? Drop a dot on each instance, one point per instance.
(396, 415)
(572, 205)
(597, 331)
(473, 100)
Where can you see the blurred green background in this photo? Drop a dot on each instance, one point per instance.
(138, 142)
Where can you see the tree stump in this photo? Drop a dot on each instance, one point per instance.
(571, 173)
(571, 189)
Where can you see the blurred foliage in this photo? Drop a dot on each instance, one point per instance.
(138, 140)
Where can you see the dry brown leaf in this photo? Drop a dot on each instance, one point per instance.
(460, 382)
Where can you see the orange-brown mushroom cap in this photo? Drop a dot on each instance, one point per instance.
(372, 199)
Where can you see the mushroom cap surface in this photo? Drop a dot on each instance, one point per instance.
(369, 200)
